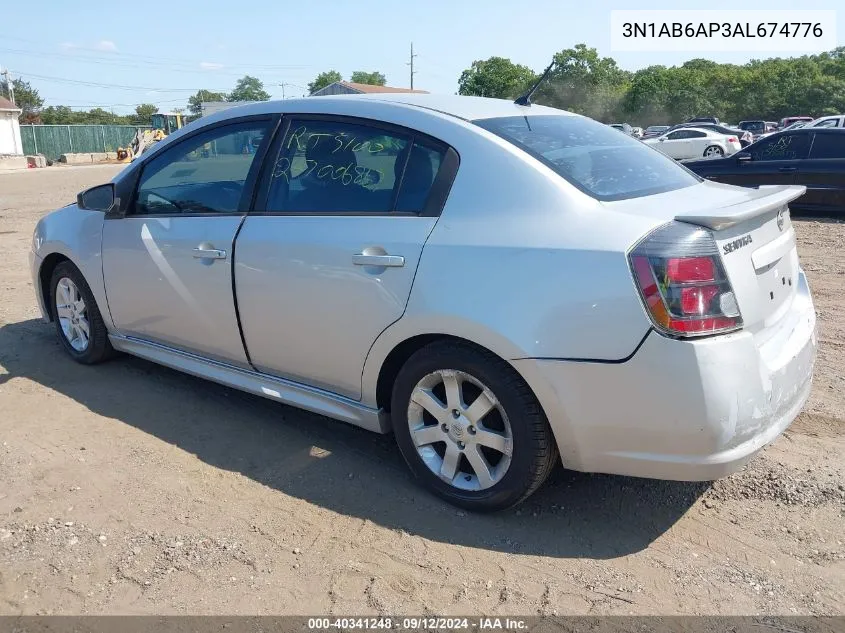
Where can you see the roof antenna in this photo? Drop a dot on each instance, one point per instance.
(525, 100)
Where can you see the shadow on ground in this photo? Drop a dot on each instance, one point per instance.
(356, 473)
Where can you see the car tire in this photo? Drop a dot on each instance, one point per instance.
(514, 423)
(713, 150)
(77, 318)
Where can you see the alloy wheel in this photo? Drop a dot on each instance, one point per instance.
(460, 430)
(72, 314)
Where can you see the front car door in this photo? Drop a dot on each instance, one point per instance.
(327, 260)
(774, 161)
(167, 264)
(823, 173)
(673, 144)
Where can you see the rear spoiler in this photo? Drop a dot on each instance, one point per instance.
(762, 200)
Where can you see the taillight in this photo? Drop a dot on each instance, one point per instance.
(733, 139)
(682, 282)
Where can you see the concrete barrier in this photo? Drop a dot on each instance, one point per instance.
(87, 158)
(9, 162)
(39, 160)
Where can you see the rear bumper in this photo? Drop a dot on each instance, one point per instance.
(681, 410)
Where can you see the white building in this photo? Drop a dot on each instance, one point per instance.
(10, 130)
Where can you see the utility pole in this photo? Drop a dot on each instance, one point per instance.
(411, 64)
(9, 83)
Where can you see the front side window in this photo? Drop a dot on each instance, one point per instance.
(677, 136)
(781, 147)
(204, 173)
(344, 167)
(591, 156)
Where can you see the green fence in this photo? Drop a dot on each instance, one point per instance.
(55, 140)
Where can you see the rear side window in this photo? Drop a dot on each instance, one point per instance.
(341, 167)
(828, 146)
(593, 157)
(781, 147)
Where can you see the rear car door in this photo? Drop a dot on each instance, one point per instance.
(823, 173)
(697, 142)
(326, 261)
(167, 264)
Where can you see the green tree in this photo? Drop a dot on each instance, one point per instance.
(585, 83)
(144, 113)
(248, 88)
(26, 98)
(324, 79)
(374, 78)
(496, 77)
(195, 102)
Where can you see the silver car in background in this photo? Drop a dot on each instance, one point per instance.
(502, 287)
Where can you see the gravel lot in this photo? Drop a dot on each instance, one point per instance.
(130, 488)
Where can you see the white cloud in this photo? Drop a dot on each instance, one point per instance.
(107, 45)
(69, 45)
(210, 66)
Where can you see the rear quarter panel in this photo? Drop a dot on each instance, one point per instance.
(524, 264)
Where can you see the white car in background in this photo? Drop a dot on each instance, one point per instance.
(837, 120)
(693, 142)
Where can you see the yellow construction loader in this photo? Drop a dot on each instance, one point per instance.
(163, 124)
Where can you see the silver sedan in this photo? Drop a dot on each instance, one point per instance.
(502, 287)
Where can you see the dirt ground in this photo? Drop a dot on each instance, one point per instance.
(129, 488)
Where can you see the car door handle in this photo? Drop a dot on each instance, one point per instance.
(787, 169)
(378, 260)
(209, 253)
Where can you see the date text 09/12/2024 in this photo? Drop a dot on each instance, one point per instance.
(417, 623)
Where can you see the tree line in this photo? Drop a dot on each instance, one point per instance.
(581, 81)
(247, 88)
(584, 82)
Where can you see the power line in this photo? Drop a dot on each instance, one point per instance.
(97, 84)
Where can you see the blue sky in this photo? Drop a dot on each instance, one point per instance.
(181, 47)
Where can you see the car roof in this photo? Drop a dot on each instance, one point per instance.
(462, 107)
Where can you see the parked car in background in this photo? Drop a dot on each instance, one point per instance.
(655, 130)
(771, 126)
(837, 120)
(795, 125)
(755, 127)
(788, 121)
(623, 127)
(813, 157)
(592, 304)
(693, 142)
(705, 119)
(745, 138)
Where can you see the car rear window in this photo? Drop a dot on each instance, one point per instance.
(593, 157)
(752, 125)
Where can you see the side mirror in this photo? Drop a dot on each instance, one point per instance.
(99, 198)
(743, 157)
(662, 138)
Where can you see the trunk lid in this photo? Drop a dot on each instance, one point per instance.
(756, 240)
